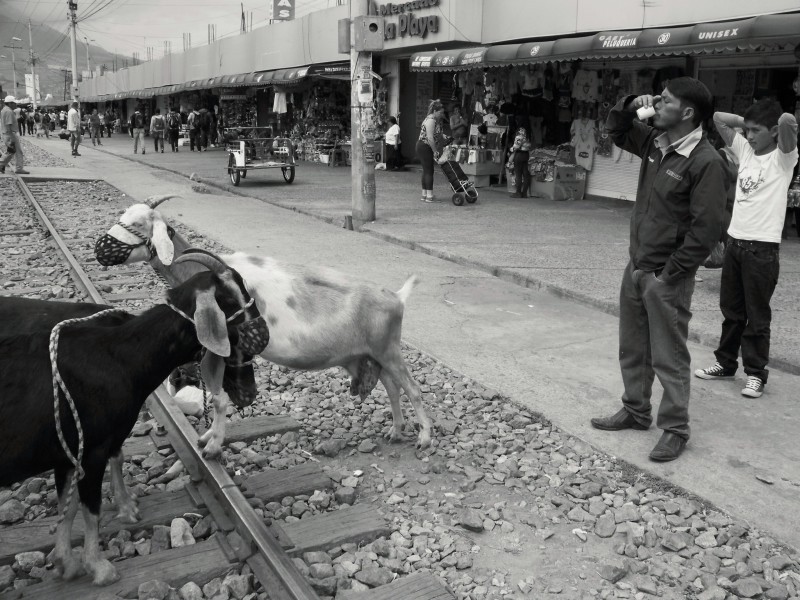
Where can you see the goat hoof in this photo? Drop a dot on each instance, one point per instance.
(212, 450)
(394, 435)
(203, 440)
(104, 573)
(70, 569)
(424, 440)
(129, 513)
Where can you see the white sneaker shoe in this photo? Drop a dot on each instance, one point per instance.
(754, 387)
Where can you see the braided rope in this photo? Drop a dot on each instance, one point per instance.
(229, 319)
(58, 383)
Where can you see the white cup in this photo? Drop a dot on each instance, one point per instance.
(645, 112)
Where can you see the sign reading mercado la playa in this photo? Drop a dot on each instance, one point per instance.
(402, 21)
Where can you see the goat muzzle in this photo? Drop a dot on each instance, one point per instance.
(110, 251)
(253, 336)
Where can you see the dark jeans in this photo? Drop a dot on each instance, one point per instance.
(522, 175)
(194, 139)
(158, 140)
(425, 155)
(653, 329)
(390, 157)
(173, 138)
(749, 277)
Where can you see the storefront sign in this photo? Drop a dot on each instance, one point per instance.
(408, 24)
(282, 10)
(625, 40)
(231, 97)
(720, 34)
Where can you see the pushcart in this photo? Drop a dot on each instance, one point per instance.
(463, 188)
(251, 148)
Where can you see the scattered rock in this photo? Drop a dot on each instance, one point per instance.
(11, 511)
(153, 590)
(180, 533)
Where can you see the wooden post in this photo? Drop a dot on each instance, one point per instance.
(362, 131)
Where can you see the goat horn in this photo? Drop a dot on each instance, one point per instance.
(209, 261)
(154, 201)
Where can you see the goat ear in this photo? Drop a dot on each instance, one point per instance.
(213, 368)
(164, 247)
(212, 331)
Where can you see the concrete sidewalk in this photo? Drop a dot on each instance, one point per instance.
(554, 356)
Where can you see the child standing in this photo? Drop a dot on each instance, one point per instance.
(518, 160)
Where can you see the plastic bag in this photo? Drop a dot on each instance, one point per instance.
(714, 260)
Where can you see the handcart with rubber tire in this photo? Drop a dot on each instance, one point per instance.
(250, 149)
(463, 188)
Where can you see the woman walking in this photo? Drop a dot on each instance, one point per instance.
(428, 147)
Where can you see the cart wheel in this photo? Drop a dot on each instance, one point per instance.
(233, 172)
(243, 174)
(288, 174)
(458, 199)
(472, 196)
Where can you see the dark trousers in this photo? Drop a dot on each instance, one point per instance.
(202, 139)
(194, 139)
(425, 155)
(158, 140)
(653, 329)
(749, 277)
(391, 157)
(173, 138)
(522, 175)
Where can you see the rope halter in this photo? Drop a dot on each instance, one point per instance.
(110, 251)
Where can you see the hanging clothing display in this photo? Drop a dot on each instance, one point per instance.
(584, 142)
(279, 103)
(585, 86)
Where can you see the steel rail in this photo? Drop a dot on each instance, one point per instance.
(281, 570)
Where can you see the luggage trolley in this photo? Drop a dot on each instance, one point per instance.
(463, 188)
(248, 150)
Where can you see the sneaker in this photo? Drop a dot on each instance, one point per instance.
(698, 279)
(431, 200)
(21, 172)
(515, 195)
(754, 387)
(715, 372)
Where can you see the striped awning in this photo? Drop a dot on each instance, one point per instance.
(705, 38)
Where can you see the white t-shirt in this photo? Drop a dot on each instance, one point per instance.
(761, 188)
(392, 134)
(490, 119)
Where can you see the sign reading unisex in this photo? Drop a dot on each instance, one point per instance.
(408, 23)
(283, 10)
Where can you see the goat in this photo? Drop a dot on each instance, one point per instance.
(24, 316)
(318, 318)
(123, 359)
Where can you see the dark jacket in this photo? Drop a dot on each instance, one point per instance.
(680, 200)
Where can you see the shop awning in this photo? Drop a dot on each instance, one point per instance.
(449, 60)
(756, 32)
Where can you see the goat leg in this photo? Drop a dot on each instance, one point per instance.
(397, 369)
(211, 440)
(126, 503)
(69, 566)
(101, 570)
(395, 433)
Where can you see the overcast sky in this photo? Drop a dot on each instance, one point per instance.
(128, 26)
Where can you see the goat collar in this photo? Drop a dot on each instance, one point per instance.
(229, 319)
(146, 241)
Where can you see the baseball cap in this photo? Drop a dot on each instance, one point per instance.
(9, 99)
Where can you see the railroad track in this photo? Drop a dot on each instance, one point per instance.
(32, 244)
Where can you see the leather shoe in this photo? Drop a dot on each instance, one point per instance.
(621, 420)
(668, 448)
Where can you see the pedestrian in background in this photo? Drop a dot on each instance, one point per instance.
(767, 158)
(675, 222)
(37, 122)
(9, 128)
(429, 145)
(518, 161)
(109, 121)
(193, 123)
(205, 128)
(173, 128)
(157, 128)
(392, 140)
(459, 126)
(30, 122)
(74, 128)
(22, 119)
(136, 127)
(95, 128)
(46, 122)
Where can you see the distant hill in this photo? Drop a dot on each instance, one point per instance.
(52, 48)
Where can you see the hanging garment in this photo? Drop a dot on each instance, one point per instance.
(584, 86)
(279, 103)
(584, 141)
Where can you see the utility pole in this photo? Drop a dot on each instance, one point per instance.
(33, 64)
(13, 47)
(362, 131)
(73, 6)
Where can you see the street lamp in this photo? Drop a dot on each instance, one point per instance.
(13, 47)
(88, 61)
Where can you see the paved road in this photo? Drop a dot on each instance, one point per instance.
(555, 356)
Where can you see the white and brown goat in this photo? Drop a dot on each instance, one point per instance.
(317, 317)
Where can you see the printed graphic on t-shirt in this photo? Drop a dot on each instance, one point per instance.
(749, 183)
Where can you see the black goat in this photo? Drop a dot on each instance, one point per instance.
(110, 369)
